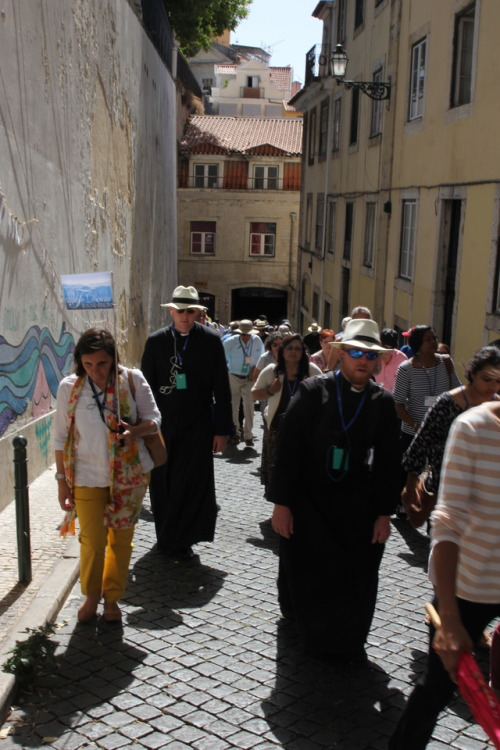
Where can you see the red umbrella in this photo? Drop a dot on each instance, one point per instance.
(480, 698)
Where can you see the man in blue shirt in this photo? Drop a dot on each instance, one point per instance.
(242, 354)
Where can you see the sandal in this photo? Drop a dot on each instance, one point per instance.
(112, 612)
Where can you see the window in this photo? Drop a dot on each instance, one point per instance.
(463, 47)
(369, 246)
(206, 85)
(315, 305)
(309, 200)
(262, 238)
(323, 129)
(320, 207)
(330, 237)
(353, 131)
(349, 215)
(337, 110)
(253, 82)
(341, 25)
(327, 317)
(407, 250)
(359, 12)
(417, 80)
(266, 178)
(206, 175)
(312, 135)
(203, 237)
(377, 107)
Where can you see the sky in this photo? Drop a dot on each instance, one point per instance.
(286, 26)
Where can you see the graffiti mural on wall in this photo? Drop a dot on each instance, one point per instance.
(31, 371)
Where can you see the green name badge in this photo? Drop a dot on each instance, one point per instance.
(180, 381)
(338, 460)
(245, 369)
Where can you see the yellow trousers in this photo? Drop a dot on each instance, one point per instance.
(104, 553)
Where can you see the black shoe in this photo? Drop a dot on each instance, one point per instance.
(183, 553)
(249, 443)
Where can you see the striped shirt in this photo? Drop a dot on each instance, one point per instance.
(414, 384)
(468, 508)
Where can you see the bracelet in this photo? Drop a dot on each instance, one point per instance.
(58, 475)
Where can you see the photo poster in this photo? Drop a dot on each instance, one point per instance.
(92, 294)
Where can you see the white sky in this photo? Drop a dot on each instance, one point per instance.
(286, 26)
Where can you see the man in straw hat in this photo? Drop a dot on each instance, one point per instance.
(186, 369)
(335, 484)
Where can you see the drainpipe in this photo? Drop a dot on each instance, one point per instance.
(292, 283)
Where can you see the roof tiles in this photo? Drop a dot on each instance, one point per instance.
(211, 134)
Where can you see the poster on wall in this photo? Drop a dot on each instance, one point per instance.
(88, 291)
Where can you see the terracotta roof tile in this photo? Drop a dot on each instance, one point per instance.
(211, 134)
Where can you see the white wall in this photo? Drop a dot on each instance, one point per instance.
(87, 165)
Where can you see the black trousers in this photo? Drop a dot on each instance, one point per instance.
(432, 693)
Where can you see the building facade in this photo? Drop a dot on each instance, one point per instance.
(400, 197)
(238, 203)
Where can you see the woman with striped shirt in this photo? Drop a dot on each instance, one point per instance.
(464, 566)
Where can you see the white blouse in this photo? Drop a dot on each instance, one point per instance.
(92, 456)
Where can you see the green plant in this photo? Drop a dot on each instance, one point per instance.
(27, 656)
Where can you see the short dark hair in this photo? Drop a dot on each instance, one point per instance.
(93, 340)
(271, 339)
(416, 337)
(484, 357)
(303, 369)
(389, 337)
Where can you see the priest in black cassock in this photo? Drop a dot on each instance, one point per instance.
(186, 368)
(335, 483)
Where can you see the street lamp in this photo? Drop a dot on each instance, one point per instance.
(378, 90)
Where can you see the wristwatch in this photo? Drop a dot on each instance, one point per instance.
(58, 475)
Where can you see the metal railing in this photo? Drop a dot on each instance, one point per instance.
(317, 62)
(157, 27)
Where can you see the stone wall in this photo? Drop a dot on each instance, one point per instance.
(87, 183)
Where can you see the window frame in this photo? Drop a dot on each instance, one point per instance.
(262, 239)
(354, 124)
(377, 106)
(359, 13)
(312, 136)
(337, 122)
(418, 78)
(206, 177)
(348, 230)
(408, 239)
(204, 234)
(320, 212)
(341, 21)
(331, 226)
(266, 178)
(370, 233)
(323, 130)
(462, 20)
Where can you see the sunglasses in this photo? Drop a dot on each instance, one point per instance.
(189, 311)
(358, 353)
(293, 348)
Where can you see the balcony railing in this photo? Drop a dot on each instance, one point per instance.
(317, 62)
(251, 92)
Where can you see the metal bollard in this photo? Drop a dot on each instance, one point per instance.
(22, 509)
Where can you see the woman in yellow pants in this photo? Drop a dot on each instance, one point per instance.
(103, 465)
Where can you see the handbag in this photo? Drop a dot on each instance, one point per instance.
(419, 506)
(155, 443)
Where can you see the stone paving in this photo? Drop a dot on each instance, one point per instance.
(204, 661)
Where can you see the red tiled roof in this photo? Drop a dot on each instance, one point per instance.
(282, 77)
(211, 134)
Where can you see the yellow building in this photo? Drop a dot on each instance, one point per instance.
(238, 204)
(400, 196)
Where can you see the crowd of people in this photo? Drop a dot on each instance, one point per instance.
(354, 428)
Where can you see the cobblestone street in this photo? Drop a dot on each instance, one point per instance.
(204, 661)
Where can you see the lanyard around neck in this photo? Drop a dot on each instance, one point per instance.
(246, 352)
(101, 405)
(177, 354)
(345, 426)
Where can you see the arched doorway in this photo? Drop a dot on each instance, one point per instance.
(251, 301)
